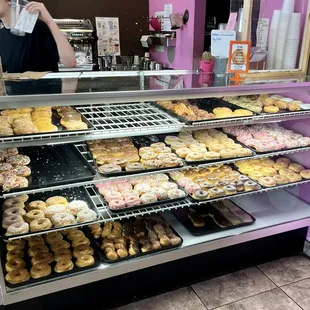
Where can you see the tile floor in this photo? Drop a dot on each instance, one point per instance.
(279, 285)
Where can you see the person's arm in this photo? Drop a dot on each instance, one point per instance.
(65, 50)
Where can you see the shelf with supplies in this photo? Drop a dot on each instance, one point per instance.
(270, 219)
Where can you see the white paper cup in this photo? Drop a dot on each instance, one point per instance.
(275, 19)
(288, 6)
(294, 26)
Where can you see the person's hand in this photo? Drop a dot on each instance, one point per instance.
(45, 16)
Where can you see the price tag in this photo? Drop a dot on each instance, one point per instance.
(26, 21)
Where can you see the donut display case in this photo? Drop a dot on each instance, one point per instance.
(120, 188)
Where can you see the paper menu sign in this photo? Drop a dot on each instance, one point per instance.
(262, 32)
(231, 25)
(239, 57)
(220, 42)
(108, 36)
(26, 21)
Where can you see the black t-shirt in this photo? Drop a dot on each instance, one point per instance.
(33, 52)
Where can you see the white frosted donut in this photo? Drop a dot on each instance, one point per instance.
(51, 210)
(63, 219)
(9, 220)
(17, 229)
(77, 206)
(86, 216)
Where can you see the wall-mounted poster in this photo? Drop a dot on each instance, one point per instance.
(108, 36)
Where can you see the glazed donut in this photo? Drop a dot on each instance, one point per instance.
(296, 167)
(40, 224)
(195, 156)
(80, 241)
(269, 172)
(285, 171)
(305, 174)
(42, 258)
(216, 192)
(280, 179)
(18, 160)
(267, 182)
(211, 155)
(75, 234)
(283, 160)
(271, 109)
(36, 205)
(83, 250)
(279, 166)
(15, 263)
(62, 254)
(14, 211)
(15, 245)
(13, 203)
(171, 139)
(63, 219)
(86, 216)
(9, 220)
(14, 253)
(201, 195)
(34, 215)
(53, 209)
(40, 270)
(109, 168)
(53, 237)
(56, 200)
(85, 261)
(35, 240)
(250, 186)
(256, 175)
(227, 153)
(178, 145)
(17, 276)
(77, 206)
(183, 152)
(37, 249)
(294, 177)
(64, 265)
(62, 244)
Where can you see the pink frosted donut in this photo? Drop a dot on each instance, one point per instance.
(113, 196)
(117, 204)
(124, 186)
(192, 187)
(132, 201)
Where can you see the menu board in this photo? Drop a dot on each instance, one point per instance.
(108, 36)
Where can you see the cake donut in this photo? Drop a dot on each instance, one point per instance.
(18, 160)
(40, 224)
(77, 206)
(34, 215)
(10, 220)
(63, 219)
(305, 174)
(280, 179)
(40, 270)
(110, 168)
(36, 205)
(250, 186)
(296, 167)
(134, 167)
(85, 261)
(267, 182)
(86, 216)
(294, 177)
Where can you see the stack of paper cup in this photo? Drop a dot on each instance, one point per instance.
(288, 6)
(292, 42)
(272, 41)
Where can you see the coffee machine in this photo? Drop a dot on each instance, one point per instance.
(82, 36)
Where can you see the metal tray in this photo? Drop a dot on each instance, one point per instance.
(137, 143)
(56, 121)
(78, 193)
(103, 257)
(210, 225)
(219, 160)
(54, 275)
(55, 165)
(207, 104)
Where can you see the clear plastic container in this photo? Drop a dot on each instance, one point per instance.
(16, 8)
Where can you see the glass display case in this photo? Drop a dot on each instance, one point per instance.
(137, 104)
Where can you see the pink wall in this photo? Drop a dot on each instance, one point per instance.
(190, 39)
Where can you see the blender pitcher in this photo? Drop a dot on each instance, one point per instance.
(20, 18)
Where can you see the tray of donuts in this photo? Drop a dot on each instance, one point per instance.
(125, 156)
(140, 192)
(214, 182)
(15, 170)
(49, 211)
(204, 146)
(119, 241)
(31, 121)
(213, 217)
(275, 171)
(32, 260)
(201, 110)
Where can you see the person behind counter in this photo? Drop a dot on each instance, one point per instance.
(39, 51)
